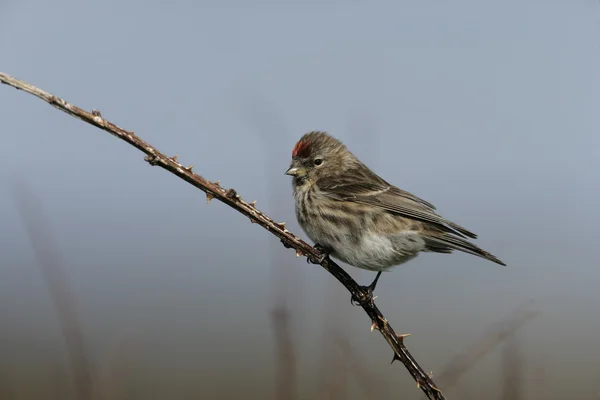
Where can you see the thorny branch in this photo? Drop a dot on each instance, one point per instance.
(233, 200)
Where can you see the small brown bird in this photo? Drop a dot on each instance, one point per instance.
(357, 217)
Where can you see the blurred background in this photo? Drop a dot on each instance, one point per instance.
(118, 281)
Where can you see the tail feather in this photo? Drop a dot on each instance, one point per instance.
(446, 243)
(463, 231)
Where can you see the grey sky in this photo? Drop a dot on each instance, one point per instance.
(488, 109)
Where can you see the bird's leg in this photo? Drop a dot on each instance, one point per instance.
(325, 250)
(369, 289)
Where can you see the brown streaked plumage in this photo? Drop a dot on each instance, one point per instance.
(361, 219)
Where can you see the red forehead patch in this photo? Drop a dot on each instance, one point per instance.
(301, 149)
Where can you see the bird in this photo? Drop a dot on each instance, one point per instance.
(357, 217)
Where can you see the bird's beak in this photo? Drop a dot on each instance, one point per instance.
(293, 171)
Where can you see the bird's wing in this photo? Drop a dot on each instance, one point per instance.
(365, 187)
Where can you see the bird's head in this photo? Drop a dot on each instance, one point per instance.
(318, 155)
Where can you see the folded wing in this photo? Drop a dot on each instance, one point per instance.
(363, 186)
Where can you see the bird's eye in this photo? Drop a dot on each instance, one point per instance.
(318, 161)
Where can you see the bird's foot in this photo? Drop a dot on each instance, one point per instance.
(367, 297)
(325, 254)
(364, 299)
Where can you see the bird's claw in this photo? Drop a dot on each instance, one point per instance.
(320, 248)
(325, 254)
(367, 298)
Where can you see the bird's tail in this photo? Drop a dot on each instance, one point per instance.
(442, 242)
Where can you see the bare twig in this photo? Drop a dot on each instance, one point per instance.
(333, 368)
(285, 283)
(512, 369)
(232, 199)
(268, 124)
(372, 387)
(58, 286)
(285, 379)
(496, 334)
(110, 381)
(346, 363)
(7, 384)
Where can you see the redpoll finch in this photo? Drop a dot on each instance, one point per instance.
(357, 217)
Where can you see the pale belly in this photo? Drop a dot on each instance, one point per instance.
(355, 240)
(367, 250)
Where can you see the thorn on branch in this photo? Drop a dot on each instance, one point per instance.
(174, 158)
(402, 336)
(189, 169)
(152, 159)
(217, 183)
(396, 358)
(209, 197)
(374, 326)
(96, 113)
(253, 204)
(298, 253)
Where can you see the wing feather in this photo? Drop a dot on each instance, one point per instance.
(362, 186)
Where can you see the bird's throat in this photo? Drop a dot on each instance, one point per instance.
(300, 180)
